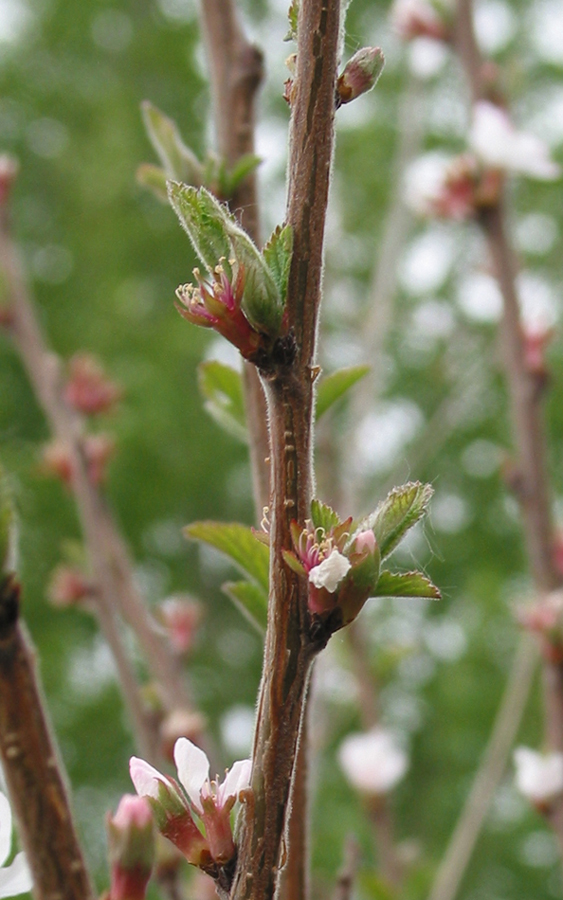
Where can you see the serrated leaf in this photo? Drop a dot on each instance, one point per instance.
(179, 162)
(332, 387)
(261, 302)
(250, 600)
(403, 507)
(292, 15)
(323, 516)
(277, 254)
(238, 543)
(408, 584)
(244, 166)
(205, 220)
(221, 389)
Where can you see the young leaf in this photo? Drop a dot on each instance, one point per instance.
(238, 543)
(409, 584)
(250, 600)
(335, 385)
(292, 15)
(205, 220)
(178, 160)
(402, 508)
(221, 389)
(262, 303)
(231, 179)
(277, 254)
(154, 178)
(323, 516)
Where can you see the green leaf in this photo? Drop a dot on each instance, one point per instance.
(323, 516)
(154, 178)
(221, 389)
(261, 302)
(403, 508)
(179, 162)
(292, 15)
(244, 166)
(250, 600)
(238, 543)
(334, 386)
(409, 584)
(205, 220)
(277, 254)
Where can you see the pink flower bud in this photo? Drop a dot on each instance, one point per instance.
(181, 618)
(365, 541)
(68, 586)
(8, 171)
(131, 848)
(360, 74)
(88, 390)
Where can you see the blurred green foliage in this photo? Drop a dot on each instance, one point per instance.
(104, 258)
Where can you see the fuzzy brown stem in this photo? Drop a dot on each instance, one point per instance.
(32, 767)
(289, 651)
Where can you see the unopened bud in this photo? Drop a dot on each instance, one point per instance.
(360, 74)
(9, 167)
(131, 841)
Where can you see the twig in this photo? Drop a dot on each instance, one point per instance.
(507, 721)
(344, 886)
(32, 766)
(289, 650)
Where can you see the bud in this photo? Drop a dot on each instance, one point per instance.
(373, 762)
(68, 586)
(88, 390)
(131, 842)
(360, 74)
(539, 777)
(98, 449)
(9, 168)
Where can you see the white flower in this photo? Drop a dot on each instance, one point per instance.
(539, 777)
(330, 572)
(193, 773)
(499, 145)
(373, 762)
(15, 878)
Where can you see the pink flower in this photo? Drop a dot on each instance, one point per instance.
(498, 145)
(210, 801)
(373, 762)
(217, 305)
(418, 18)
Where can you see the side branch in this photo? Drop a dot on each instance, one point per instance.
(32, 768)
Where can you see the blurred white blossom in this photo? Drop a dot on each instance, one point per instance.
(498, 144)
(15, 878)
(539, 777)
(373, 762)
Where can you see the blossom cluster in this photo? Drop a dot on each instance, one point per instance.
(179, 805)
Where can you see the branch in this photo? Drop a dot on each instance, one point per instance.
(508, 718)
(32, 766)
(43, 371)
(289, 651)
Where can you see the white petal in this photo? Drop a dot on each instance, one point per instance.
(145, 777)
(539, 777)
(5, 828)
(330, 572)
(236, 780)
(15, 878)
(193, 768)
(497, 143)
(373, 762)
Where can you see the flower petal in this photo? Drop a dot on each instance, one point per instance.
(236, 780)
(330, 572)
(15, 878)
(193, 769)
(5, 828)
(145, 778)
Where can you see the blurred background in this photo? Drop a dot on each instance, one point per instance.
(413, 299)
